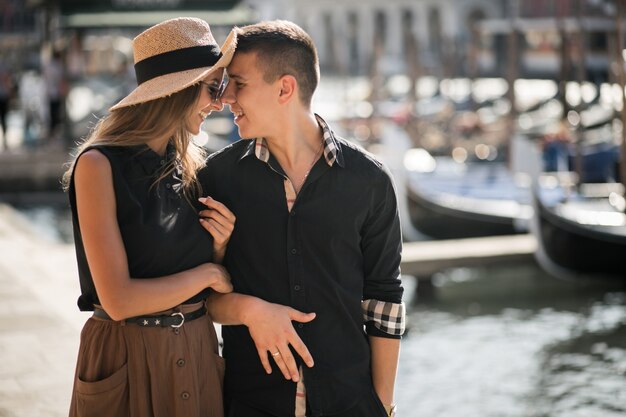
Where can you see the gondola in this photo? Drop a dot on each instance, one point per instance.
(448, 199)
(581, 234)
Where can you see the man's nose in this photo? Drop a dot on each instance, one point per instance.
(229, 96)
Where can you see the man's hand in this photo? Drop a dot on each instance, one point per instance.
(271, 328)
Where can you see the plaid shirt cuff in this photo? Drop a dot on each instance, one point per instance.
(386, 317)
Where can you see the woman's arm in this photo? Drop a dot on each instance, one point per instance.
(120, 296)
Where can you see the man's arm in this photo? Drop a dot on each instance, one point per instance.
(383, 310)
(385, 355)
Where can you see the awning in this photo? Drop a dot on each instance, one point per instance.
(239, 15)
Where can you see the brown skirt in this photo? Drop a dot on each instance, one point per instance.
(133, 371)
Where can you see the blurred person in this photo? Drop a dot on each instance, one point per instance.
(56, 88)
(33, 105)
(146, 261)
(6, 90)
(317, 230)
(75, 58)
(555, 148)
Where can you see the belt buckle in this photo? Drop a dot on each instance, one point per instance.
(182, 321)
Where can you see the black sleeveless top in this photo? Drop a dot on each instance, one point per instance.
(160, 228)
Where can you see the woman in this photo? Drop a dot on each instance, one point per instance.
(145, 261)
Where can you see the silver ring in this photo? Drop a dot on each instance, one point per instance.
(276, 354)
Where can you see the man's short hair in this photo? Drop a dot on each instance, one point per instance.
(282, 48)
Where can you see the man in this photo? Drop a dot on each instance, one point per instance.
(317, 230)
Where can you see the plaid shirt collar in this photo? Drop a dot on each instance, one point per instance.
(332, 151)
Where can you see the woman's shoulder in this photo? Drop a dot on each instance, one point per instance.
(91, 161)
(92, 170)
(111, 153)
(108, 157)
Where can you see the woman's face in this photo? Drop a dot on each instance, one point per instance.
(209, 100)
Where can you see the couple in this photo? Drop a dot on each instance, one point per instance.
(316, 231)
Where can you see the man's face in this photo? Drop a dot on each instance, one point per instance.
(250, 98)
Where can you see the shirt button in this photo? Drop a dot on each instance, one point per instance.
(292, 213)
(296, 287)
(168, 186)
(162, 162)
(300, 325)
(294, 251)
(185, 395)
(180, 362)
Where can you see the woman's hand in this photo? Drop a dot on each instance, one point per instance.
(218, 220)
(272, 331)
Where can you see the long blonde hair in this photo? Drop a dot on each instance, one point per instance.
(138, 124)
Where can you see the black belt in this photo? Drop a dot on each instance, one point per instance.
(175, 319)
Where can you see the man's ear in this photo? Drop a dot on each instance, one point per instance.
(288, 88)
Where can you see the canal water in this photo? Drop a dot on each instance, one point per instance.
(507, 341)
(512, 341)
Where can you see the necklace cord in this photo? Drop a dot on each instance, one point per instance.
(315, 158)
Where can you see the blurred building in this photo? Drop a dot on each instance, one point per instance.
(93, 27)
(92, 41)
(351, 34)
(97, 39)
(133, 16)
(438, 37)
(555, 39)
(449, 38)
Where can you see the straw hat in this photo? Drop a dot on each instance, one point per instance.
(174, 55)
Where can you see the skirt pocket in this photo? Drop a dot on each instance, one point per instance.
(106, 397)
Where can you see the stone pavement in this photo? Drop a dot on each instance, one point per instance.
(39, 321)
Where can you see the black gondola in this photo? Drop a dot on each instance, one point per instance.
(472, 199)
(582, 236)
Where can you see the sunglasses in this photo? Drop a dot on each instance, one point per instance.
(216, 91)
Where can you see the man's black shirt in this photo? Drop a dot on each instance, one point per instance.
(339, 245)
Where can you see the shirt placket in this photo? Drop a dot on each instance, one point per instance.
(294, 261)
(295, 281)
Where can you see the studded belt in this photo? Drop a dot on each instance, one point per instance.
(175, 320)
